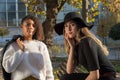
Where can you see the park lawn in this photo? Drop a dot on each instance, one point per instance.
(116, 64)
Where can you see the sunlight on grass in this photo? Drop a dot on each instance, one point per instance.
(55, 75)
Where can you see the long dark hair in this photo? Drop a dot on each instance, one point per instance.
(39, 34)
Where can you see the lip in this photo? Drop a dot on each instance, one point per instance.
(70, 33)
(30, 30)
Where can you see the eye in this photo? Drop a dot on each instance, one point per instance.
(34, 25)
(28, 24)
(65, 25)
(73, 24)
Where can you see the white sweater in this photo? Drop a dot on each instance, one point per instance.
(34, 60)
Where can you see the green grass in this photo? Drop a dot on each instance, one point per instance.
(116, 64)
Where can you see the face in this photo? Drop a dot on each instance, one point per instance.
(70, 28)
(28, 28)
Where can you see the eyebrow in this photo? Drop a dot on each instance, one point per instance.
(70, 23)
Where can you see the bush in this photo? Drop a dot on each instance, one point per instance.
(115, 32)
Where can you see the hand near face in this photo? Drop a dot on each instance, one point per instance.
(20, 44)
(70, 41)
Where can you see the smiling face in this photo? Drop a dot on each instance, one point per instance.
(28, 28)
(71, 29)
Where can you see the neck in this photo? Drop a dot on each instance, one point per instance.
(28, 38)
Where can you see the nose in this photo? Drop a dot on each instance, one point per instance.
(31, 26)
(69, 28)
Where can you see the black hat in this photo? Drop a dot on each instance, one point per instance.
(71, 16)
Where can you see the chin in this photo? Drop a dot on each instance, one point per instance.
(30, 33)
(71, 36)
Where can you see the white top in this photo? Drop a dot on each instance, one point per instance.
(34, 60)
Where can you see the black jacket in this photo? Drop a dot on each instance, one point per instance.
(7, 76)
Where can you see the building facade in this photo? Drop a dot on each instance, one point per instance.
(11, 13)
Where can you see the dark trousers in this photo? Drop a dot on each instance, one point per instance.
(82, 76)
(108, 78)
(74, 76)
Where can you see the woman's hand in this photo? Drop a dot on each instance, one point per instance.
(71, 57)
(20, 44)
(94, 75)
(70, 41)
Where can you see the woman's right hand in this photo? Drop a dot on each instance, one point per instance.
(20, 44)
(71, 57)
(70, 41)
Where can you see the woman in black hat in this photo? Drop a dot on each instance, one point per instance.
(85, 49)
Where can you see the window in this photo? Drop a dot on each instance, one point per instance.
(21, 7)
(2, 7)
(2, 1)
(12, 19)
(11, 0)
(2, 19)
(11, 7)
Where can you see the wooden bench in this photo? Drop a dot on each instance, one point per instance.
(62, 70)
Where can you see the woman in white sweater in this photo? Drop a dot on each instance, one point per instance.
(28, 57)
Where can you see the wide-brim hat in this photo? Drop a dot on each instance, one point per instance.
(71, 16)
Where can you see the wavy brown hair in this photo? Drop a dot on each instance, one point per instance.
(39, 34)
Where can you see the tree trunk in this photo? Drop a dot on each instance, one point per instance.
(51, 6)
(84, 9)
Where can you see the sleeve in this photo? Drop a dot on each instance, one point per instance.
(48, 64)
(91, 54)
(12, 58)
